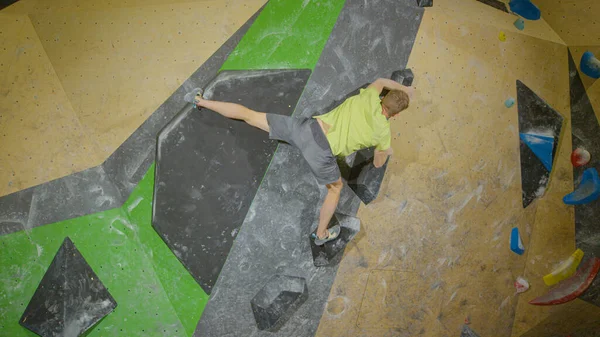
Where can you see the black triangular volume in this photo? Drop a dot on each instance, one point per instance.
(496, 4)
(536, 117)
(70, 298)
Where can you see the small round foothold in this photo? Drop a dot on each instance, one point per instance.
(502, 36)
(509, 102)
(580, 157)
(519, 24)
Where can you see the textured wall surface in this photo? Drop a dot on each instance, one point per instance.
(80, 77)
(575, 21)
(433, 248)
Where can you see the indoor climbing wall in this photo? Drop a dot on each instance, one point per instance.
(112, 201)
(95, 72)
(126, 254)
(452, 191)
(576, 24)
(191, 246)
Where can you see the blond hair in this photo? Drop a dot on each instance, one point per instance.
(395, 101)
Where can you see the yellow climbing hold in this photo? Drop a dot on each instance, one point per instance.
(502, 36)
(565, 270)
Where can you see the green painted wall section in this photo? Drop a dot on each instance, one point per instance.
(286, 35)
(156, 296)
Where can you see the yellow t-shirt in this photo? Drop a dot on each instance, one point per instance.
(358, 123)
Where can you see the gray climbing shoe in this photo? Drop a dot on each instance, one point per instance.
(192, 96)
(334, 232)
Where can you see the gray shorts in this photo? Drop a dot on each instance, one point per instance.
(306, 134)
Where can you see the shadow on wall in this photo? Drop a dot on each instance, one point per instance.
(6, 3)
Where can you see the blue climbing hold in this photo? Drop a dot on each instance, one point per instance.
(587, 191)
(509, 102)
(520, 24)
(516, 244)
(590, 65)
(526, 9)
(541, 146)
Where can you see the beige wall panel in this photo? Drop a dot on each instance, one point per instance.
(577, 317)
(32, 6)
(41, 137)
(98, 73)
(22, 7)
(576, 21)
(452, 191)
(118, 66)
(483, 14)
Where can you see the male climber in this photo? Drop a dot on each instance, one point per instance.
(360, 122)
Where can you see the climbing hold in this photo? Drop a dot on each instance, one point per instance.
(516, 244)
(587, 191)
(520, 24)
(330, 252)
(541, 146)
(521, 285)
(509, 102)
(565, 270)
(404, 77)
(190, 97)
(424, 3)
(590, 65)
(70, 298)
(580, 157)
(526, 9)
(502, 36)
(570, 289)
(365, 179)
(277, 301)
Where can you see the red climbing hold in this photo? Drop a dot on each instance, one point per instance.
(580, 157)
(572, 287)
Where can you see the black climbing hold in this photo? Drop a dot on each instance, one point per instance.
(277, 301)
(365, 179)
(70, 298)
(208, 168)
(535, 117)
(424, 3)
(404, 77)
(329, 252)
